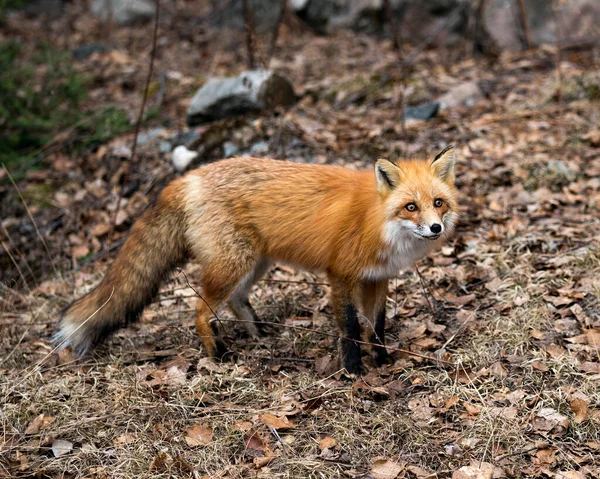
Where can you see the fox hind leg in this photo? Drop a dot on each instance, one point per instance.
(239, 303)
(218, 281)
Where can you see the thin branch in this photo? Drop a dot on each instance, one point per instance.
(275, 33)
(337, 336)
(14, 262)
(391, 18)
(138, 123)
(250, 37)
(559, 76)
(32, 221)
(525, 24)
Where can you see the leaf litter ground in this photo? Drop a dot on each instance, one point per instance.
(510, 304)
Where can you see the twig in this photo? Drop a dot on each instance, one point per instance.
(275, 33)
(33, 221)
(58, 346)
(310, 330)
(525, 24)
(517, 453)
(393, 24)
(276, 434)
(138, 123)
(12, 258)
(426, 287)
(250, 37)
(199, 295)
(559, 75)
(331, 335)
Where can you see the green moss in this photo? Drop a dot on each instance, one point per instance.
(41, 96)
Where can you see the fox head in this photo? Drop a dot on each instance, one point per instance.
(419, 196)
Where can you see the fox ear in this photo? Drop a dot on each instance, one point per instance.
(387, 174)
(443, 165)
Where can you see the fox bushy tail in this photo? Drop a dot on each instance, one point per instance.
(155, 246)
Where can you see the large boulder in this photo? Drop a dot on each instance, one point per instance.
(577, 20)
(123, 11)
(265, 14)
(416, 18)
(250, 92)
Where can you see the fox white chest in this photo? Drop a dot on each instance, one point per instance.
(402, 250)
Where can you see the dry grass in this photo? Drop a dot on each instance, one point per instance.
(513, 306)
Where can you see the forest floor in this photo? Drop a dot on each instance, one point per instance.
(498, 364)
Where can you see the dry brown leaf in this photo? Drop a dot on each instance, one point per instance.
(570, 475)
(451, 401)
(39, 423)
(590, 367)
(124, 439)
(386, 468)
(477, 470)
(160, 462)
(548, 419)
(540, 366)
(327, 442)
(242, 426)
(198, 436)
(579, 405)
(472, 409)
(276, 422)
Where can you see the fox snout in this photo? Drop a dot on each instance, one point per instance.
(436, 228)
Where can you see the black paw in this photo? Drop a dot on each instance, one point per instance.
(382, 357)
(221, 351)
(351, 358)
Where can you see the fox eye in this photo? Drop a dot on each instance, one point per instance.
(438, 203)
(411, 207)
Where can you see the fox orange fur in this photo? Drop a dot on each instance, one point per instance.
(235, 217)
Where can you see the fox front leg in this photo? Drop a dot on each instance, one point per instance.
(347, 320)
(373, 295)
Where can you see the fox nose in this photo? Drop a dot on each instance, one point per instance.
(436, 228)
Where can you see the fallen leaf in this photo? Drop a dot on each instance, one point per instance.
(386, 468)
(262, 461)
(579, 405)
(327, 442)
(60, 447)
(198, 436)
(276, 422)
(570, 475)
(160, 462)
(548, 419)
(39, 423)
(477, 470)
(123, 439)
(540, 366)
(589, 367)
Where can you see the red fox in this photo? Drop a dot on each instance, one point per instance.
(237, 216)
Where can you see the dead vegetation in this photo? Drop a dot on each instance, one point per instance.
(511, 306)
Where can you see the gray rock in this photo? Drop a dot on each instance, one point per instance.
(229, 149)
(259, 148)
(250, 92)
(229, 14)
(465, 94)
(416, 18)
(425, 111)
(578, 20)
(84, 51)
(123, 11)
(44, 7)
(165, 147)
